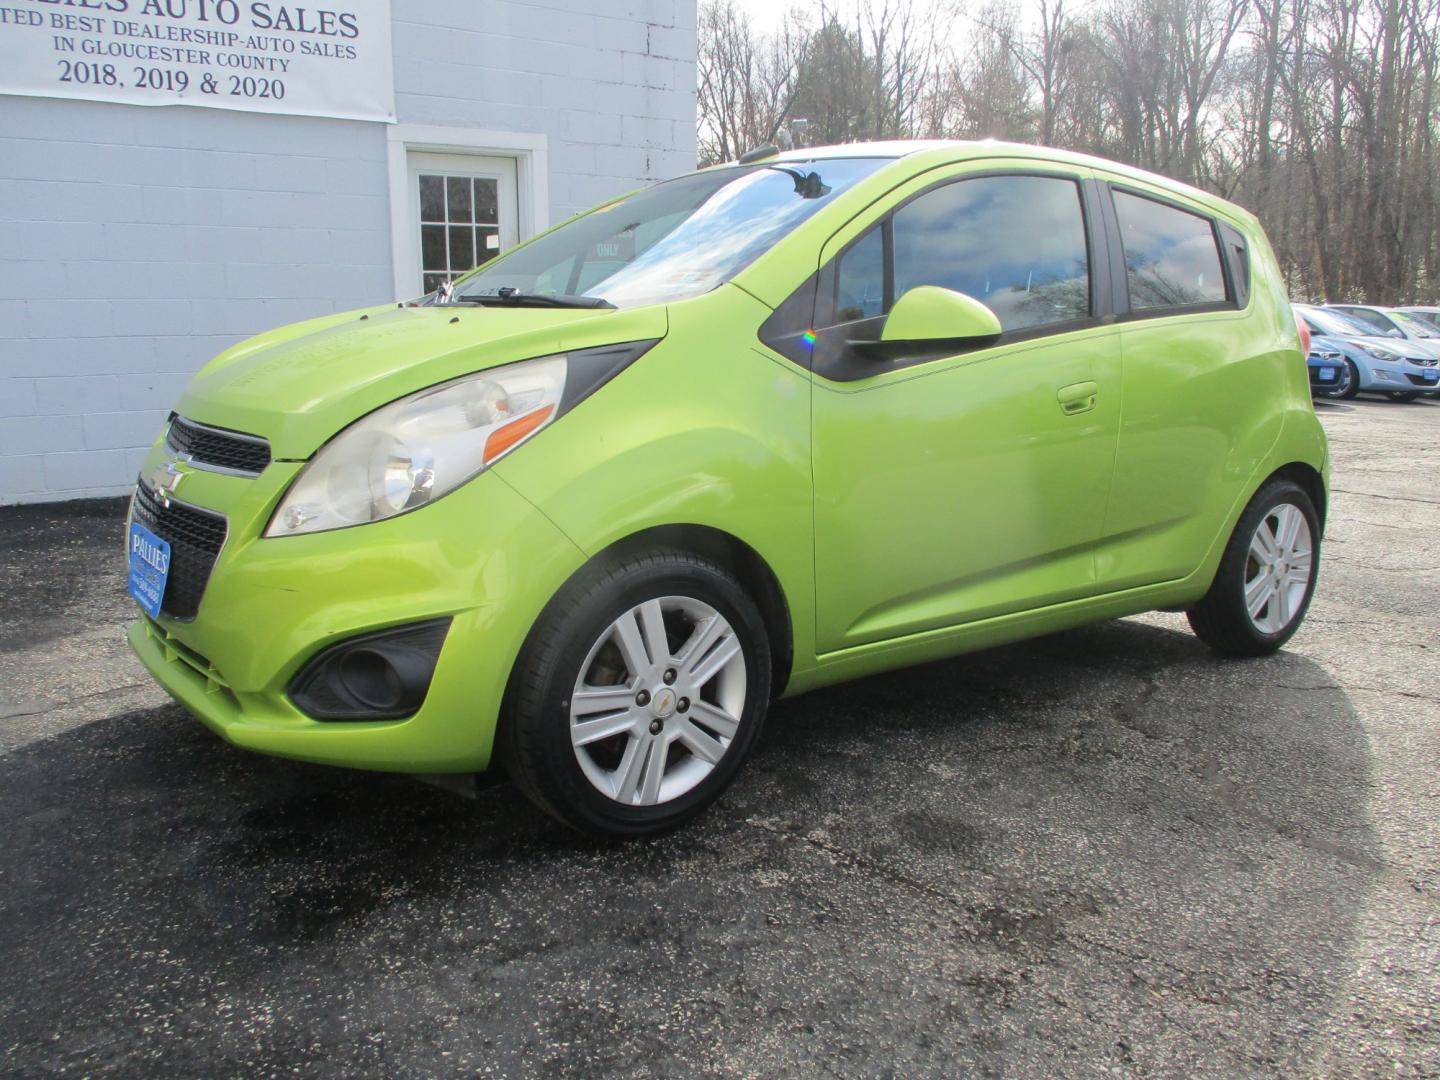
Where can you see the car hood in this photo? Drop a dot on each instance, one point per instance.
(298, 385)
(1345, 344)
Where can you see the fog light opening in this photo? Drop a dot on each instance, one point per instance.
(371, 678)
(380, 676)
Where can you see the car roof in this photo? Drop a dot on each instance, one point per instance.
(948, 151)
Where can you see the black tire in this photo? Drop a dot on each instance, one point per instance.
(1353, 386)
(1401, 395)
(1221, 619)
(534, 741)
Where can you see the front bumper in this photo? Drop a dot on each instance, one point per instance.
(482, 555)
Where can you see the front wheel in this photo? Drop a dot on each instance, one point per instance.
(638, 695)
(1347, 386)
(1266, 576)
(1352, 384)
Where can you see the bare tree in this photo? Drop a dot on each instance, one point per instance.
(1319, 115)
(747, 82)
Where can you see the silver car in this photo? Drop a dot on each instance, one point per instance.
(1393, 365)
(1392, 323)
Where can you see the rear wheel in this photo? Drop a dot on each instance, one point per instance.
(638, 696)
(1402, 395)
(1266, 576)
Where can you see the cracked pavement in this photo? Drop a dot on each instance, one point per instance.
(1100, 853)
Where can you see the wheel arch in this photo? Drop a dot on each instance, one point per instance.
(750, 568)
(1309, 480)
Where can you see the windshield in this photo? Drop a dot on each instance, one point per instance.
(1337, 325)
(1411, 324)
(1431, 319)
(671, 241)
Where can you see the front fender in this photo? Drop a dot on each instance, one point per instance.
(702, 430)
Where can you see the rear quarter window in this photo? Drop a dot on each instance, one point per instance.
(1172, 258)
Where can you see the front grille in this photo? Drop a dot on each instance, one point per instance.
(195, 537)
(218, 448)
(1420, 380)
(1423, 361)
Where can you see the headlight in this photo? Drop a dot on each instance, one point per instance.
(1382, 352)
(414, 450)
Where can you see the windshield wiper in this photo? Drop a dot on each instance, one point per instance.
(508, 297)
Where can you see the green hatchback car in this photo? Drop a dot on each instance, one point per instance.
(752, 431)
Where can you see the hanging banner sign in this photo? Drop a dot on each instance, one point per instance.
(255, 55)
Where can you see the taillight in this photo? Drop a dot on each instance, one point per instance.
(1304, 335)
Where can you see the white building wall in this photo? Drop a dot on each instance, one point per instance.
(135, 243)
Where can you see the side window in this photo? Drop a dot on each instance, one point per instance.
(1016, 243)
(1371, 319)
(860, 278)
(1171, 258)
(1239, 252)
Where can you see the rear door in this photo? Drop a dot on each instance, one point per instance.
(1202, 385)
(954, 486)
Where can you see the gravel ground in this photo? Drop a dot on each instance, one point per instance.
(1101, 853)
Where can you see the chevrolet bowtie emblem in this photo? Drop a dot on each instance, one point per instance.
(166, 478)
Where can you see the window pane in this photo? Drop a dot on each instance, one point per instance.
(1016, 243)
(462, 248)
(1372, 321)
(432, 248)
(457, 197)
(432, 198)
(487, 202)
(686, 236)
(1170, 255)
(860, 279)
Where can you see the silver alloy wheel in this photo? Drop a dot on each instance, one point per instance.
(658, 700)
(1278, 568)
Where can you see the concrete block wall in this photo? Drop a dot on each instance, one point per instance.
(136, 243)
(612, 82)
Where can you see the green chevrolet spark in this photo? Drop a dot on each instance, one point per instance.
(739, 435)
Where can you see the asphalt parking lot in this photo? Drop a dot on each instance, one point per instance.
(1100, 853)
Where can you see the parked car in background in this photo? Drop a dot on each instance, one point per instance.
(1329, 374)
(1388, 322)
(1395, 366)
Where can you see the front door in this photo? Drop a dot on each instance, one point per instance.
(464, 212)
(953, 488)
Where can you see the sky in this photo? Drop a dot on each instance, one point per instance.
(766, 14)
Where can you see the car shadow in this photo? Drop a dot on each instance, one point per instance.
(1108, 816)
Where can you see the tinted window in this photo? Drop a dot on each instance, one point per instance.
(1171, 259)
(1239, 253)
(860, 279)
(1017, 243)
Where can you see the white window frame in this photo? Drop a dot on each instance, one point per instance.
(530, 152)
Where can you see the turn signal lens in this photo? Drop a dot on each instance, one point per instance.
(504, 438)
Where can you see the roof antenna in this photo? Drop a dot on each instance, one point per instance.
(758, 154)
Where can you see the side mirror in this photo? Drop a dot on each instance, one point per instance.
(929, 319)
